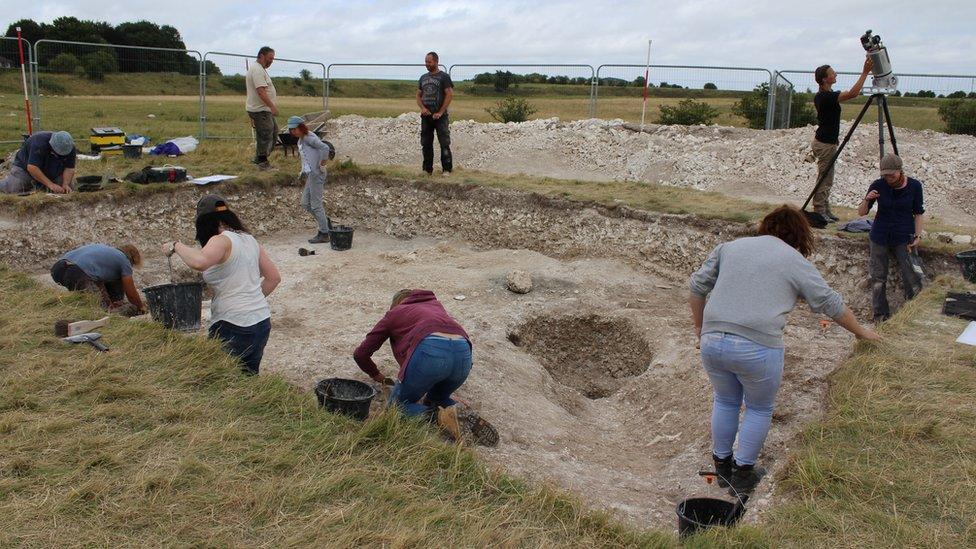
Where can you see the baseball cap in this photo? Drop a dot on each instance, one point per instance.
(211, 203)
(294, 121)
(890, 164)
(61, 143)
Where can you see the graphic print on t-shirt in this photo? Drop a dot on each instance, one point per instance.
(432, 88)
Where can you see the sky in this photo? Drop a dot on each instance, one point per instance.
(925, 37)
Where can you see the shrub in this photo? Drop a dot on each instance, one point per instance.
(98, 64)
(956, 95)
(511, 109)
(710, 86)
(63, 62)
(959, 116)
(502, 80)
(753, 108)
(310, 89)
(235, 82)
(305, 74)
(687, 113)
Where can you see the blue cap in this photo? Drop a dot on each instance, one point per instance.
(62, 144)
(294, 121)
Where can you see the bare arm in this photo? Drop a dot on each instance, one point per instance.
(67, 177)
(865, 206)
(847, 321)
(129, 287)
(215, 252)
(856, 88)
(38, 175)
(269, 271)
(263, 94)
(697, 312)
(919, 222)
(448, 97)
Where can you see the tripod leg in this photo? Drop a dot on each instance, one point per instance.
(843, 143)
(881, 121)
(891, 127)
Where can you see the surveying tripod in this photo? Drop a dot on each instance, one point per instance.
(884, 117)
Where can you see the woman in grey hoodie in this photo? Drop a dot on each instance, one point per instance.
(752, 284)
(313, 152)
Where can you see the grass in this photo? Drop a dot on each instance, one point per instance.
(163, 442)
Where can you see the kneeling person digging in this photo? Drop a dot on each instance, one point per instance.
(434, 353)
(105, 271)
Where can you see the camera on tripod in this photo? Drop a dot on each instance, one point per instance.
(883, 81)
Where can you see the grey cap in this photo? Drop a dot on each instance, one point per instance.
(890, 164)
(211, 203)
(62, 144)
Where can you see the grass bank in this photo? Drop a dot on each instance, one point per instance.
(162, 442)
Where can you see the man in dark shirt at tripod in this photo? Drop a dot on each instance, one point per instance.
(827, 101)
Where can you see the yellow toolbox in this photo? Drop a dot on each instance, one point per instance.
(106, 140)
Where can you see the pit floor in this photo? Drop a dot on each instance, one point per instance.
(635, 452)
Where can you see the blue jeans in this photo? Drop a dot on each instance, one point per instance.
(246, 344)
(437, 368)
(741, 369)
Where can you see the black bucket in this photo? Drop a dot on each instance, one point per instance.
(132, 151)
(176, 306)
(967, 262)
(345, 396)
(700, 513)
(340, 237)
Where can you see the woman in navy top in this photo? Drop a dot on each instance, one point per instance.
(897, 229)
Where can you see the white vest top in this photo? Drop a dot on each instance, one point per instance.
(236, 284)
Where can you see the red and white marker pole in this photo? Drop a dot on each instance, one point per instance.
(23, 76)
(647, 72)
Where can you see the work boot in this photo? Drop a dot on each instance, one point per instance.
(319, 238)
(745, 478)
(723, 468)
(266, 167)
(476, 427)
(830, 215)
(447, 420)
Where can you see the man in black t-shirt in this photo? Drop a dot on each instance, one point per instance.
(434, 94)
(827, 102)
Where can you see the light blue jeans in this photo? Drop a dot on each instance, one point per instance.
(741, 369)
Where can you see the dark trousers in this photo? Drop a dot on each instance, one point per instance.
(266, 133)
(244, 343)
(910, 280)
(74, 279)
(427, 128)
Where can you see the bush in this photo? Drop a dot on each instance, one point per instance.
(502, 80)
(99, 63)
(305, 74)
(688, 112)
(310, 90)
(753, 108)
(956, 95)
(64, 63)
(235, 83)
(710, 86)
(511, 109)
(959, 116)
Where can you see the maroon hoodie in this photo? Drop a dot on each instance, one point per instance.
(406, 325)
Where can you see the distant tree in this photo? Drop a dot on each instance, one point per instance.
(959, 116)
(484, 78)
(688, 112)
(639, 82)
(502, 80)
(710, 86)
(956, 95)
(305, 74)
(98, 64)
(64, 62)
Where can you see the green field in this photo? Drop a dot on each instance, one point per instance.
(127, 100)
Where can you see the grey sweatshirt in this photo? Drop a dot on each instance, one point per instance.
(753, 283)
(313, 152)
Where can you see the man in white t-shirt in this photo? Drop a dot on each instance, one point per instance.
(260, 104)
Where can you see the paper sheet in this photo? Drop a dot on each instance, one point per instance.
(211, 179)
(968, 336)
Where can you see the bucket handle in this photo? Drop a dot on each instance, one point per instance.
(740, 498)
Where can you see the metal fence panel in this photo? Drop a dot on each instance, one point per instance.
(552, 89)
(300, 86)
(782, 102)
(12, 128)
(916, 104)
(148, 91)
(619, 91)
(358, 88)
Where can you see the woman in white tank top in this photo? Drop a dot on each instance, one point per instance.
(241, 275)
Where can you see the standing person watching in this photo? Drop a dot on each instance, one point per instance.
(46, 161)
(825, 142)
(241, 275)
(435, 92)
(897, 229)
(314, 154)
(261, 107)
(752, 284)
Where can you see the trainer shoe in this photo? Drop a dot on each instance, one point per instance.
(447, 420)
(319, 238)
